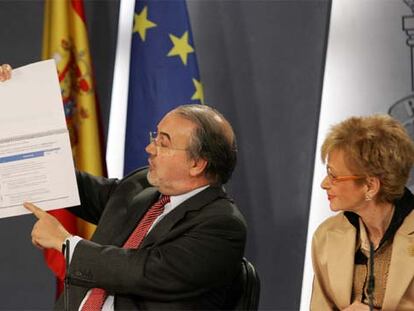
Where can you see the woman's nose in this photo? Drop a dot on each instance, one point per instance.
(325, 183)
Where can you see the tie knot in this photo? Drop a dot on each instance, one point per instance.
(164, 200)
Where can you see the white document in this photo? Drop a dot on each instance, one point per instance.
(36, 163)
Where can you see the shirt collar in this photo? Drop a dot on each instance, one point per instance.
(176, 200)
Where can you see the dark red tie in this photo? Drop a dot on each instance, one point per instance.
(98, 296)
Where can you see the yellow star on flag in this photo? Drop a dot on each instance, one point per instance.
(142, 23)
(181, 47)
(199, 93)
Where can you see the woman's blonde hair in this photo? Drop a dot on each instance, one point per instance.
(377, 146)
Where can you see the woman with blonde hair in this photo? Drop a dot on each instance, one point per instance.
(363, 257)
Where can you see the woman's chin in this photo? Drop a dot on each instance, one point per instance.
(333, 207)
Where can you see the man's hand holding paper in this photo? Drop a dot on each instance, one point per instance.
(5, 72)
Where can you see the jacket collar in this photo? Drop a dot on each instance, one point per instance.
(194, 203)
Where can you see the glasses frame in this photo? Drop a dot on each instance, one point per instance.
(336, 179)
(153, 138)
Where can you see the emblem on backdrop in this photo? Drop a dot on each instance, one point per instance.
(403, 109)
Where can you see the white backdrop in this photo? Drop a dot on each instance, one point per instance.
(367, 70)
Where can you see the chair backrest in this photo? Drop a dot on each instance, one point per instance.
(246, 288)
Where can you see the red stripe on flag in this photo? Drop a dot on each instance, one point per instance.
(78, 8)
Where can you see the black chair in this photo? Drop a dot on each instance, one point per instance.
(245, 292)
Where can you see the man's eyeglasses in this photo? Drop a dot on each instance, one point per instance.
(162, 141)
(335, 179)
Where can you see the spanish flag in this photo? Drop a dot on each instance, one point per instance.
(65, 40)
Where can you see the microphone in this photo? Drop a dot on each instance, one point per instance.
(371, 277)
(66, 253)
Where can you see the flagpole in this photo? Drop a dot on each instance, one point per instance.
(119, 97)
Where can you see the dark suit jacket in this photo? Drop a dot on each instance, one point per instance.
(187, 261)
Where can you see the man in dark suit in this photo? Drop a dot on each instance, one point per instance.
(167, 237)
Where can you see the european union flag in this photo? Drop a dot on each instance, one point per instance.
(163, 72)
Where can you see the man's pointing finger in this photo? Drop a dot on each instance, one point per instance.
(38, 212)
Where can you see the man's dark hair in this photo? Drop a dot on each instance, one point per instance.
(212, 140)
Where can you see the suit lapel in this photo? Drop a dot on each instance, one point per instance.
(401, 270)
(122, 220)
(138, 207)
(194, 203)
(340, 262)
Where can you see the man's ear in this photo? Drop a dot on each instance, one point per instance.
(198, 166)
